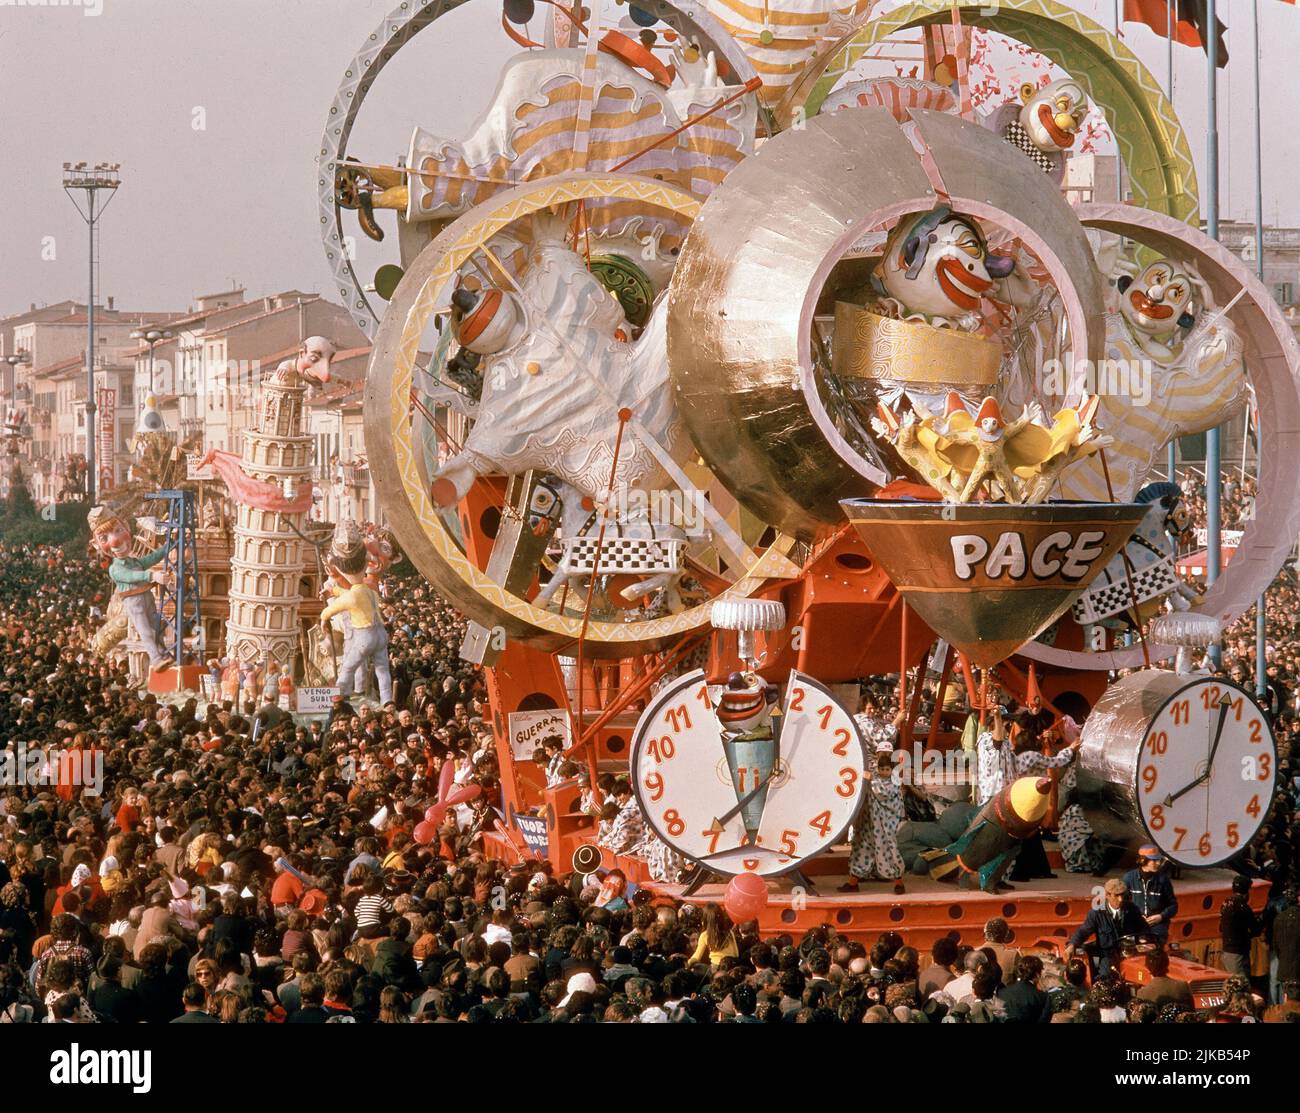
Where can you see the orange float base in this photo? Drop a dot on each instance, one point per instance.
(927, 910)
(169, 681)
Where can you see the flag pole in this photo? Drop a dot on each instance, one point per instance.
(1261, 619)
(1213, 450)
(1172, 447)
(1169, 44)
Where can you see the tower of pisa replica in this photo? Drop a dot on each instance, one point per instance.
(267, 562)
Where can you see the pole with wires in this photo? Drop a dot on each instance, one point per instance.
(1213, 450)
(1261, 608)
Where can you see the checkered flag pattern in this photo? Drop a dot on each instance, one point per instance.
(1018, 137)
(624, 555)
(1151, 582)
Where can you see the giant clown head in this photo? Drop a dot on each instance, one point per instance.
(1053, 114)
(939, 264)
(1159, 301)
(745, 703)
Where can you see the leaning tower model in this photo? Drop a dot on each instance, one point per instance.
(267, 562)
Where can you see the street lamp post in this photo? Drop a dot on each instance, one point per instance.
(151, 337)
(104, 178)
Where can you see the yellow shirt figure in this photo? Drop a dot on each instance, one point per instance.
(361, 603)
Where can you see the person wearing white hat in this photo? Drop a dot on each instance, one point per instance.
(580, 983)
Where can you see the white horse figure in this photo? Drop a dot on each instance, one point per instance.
(1152, 552)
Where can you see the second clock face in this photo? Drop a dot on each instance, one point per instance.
(722, 804)
(1206, 773)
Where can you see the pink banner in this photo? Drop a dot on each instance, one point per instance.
(247, 491)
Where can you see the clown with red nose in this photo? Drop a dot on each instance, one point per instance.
(938, 267)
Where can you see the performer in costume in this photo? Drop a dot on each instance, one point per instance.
(133, 602)
(873, 851)
(986, 851)
(996, 761)
(369, 643)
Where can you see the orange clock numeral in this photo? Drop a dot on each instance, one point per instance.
(680, 718)
(655, 784)
(662, 749)
(1157, 817)
(1182, 712)
(1256, 730)
(1206, 845)
(822, 823)
(841, 747)
(1159, 743)
(1252, 809)
(796, 699)
(1181, 832)
(1149, 777)
(1210, 696)
(1233, 836)
(848, 782)
(676, 825)
(1238, 704)
(712, 835)
(789, 842)
(702, 694)
(1265, 767)
(825, 713)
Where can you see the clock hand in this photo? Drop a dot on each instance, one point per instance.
(723, 819)
(1224, 706)
(1169, 800)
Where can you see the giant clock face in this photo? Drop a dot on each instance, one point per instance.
(745, 807)
(1206, 773)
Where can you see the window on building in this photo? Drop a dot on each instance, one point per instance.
(1285, 293)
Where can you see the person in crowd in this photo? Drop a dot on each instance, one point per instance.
(222, 877)
(1104, 929)
(1152, 892)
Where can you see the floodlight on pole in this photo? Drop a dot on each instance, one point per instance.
(152, 336)
(102, 178)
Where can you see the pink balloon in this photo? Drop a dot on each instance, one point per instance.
(445, 775)
(425, 832)
(436, 813)
(746, 897)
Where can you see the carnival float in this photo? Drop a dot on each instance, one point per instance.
(713, 372)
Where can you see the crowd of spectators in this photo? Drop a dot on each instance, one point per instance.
(239, 866)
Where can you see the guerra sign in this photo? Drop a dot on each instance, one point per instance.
(528, 728)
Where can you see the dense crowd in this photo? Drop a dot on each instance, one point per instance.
(241, 867)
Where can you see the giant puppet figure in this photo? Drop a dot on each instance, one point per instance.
(132, 605)
(367, 645)
(1186, 373)
(1042, 123)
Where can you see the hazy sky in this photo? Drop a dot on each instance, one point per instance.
(237, 200)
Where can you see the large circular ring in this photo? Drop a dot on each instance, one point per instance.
(401, 25)
(411, 515)
(1151, 142)
(747, 283)
(1273, 367)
